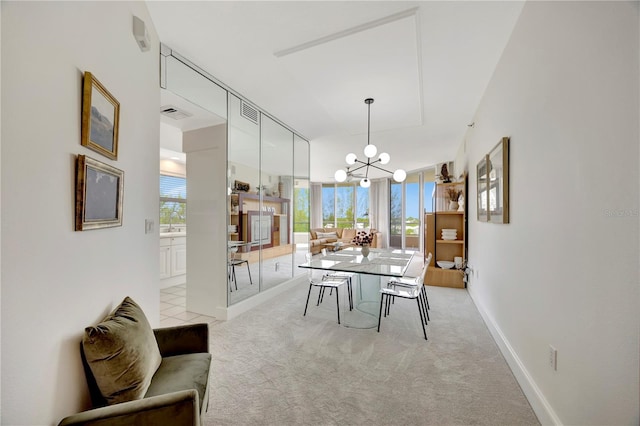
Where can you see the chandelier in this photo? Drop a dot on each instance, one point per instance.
(370, 151)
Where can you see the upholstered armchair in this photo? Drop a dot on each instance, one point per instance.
(142, 376)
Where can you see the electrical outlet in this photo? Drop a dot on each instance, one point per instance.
(553, 358)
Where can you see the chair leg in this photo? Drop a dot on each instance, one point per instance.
(426, 308)
(233, 275)
(425, 297)
(338, 304)
(249, 271)
(380, 313)
(390, 299)
(307, 304)
(350, 290)
(422, 321)
(319, 296)
(423, 306)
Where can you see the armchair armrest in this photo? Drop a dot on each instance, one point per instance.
(182, 339)
(176, 408)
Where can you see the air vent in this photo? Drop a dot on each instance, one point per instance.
(249, 112)
(173, 112)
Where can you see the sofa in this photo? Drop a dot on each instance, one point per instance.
(139, 375)
(320, 236)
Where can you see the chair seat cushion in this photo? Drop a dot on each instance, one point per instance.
(183, 372)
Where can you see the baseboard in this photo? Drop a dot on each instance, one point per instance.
(255, 300)
(541, 407)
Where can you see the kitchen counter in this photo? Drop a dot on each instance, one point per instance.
(173, 234)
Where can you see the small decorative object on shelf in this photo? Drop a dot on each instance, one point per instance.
(453, 194)
(444, 173)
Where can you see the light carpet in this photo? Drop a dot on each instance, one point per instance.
(273, 366)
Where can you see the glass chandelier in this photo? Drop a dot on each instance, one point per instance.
(370, 151)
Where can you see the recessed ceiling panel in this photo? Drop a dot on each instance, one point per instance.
(380, 62)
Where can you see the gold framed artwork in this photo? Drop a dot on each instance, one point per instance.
(498, 182)
(493, 184)
(99, 194)
(100, 118)
(483, 196)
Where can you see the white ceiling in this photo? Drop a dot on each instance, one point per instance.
(311, 64)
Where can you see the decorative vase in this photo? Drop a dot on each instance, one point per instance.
(453, 205)
(365, 250)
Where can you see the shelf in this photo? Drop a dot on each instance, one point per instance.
(454, 212)
(233, 233)
(450, 241)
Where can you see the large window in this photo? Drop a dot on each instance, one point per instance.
(300, 209)
(345, 206)
(409, 201)
(328, 205)
(173, 200)
(362, 209)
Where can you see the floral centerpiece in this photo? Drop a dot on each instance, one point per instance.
(362, 238)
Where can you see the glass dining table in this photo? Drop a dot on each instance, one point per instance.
(371, 272)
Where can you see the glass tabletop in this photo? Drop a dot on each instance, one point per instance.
(382, 262)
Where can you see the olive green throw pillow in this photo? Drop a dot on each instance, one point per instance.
(122, 353)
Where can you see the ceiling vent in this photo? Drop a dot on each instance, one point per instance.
(173, 112)
(249, 112)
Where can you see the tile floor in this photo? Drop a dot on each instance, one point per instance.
(173, 309)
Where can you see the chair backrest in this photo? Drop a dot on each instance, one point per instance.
(427, 261)
(310, 272)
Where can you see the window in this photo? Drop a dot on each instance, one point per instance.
(301, 209)
(345, 206)
(173, 200)
(328, 206)
(429, 187)
(362, 209)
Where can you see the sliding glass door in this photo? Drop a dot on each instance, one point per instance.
(409, 201)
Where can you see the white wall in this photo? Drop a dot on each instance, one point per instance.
(206, 220)
(0, 211)
(564, 272)
(56, 281)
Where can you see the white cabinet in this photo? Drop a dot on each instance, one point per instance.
(173, 260)
(178, 259)
(165, 262)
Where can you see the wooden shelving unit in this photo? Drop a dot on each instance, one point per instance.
(446, 216)
(277, 208)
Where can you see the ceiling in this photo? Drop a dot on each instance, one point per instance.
(312, 64)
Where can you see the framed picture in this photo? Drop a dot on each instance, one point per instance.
(99, 192)
(483, 196)
(498, 182)
(100, 117)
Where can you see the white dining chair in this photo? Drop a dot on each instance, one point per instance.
(322, 284)
(413, 282)
(407, 289)
(340, 275)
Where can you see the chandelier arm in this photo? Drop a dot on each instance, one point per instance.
(380, 168)
(358, 168)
